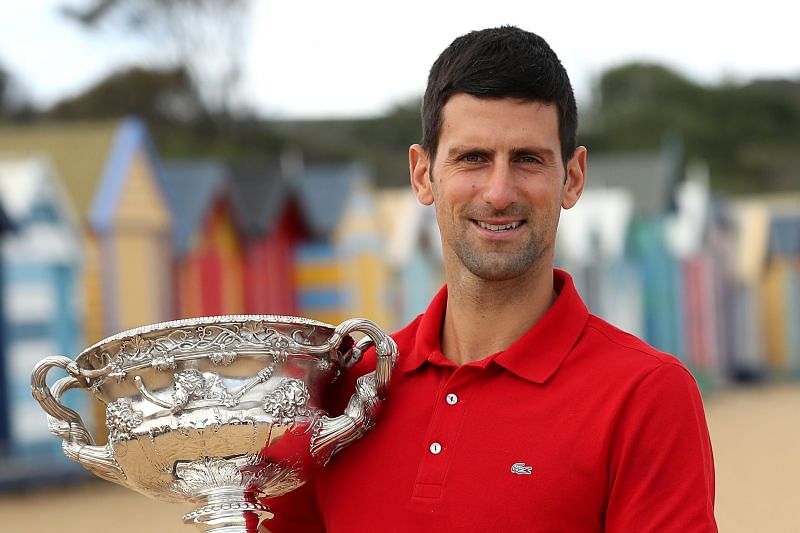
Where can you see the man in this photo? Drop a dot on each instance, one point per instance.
(512, 408)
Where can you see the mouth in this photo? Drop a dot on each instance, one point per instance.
(499, 228)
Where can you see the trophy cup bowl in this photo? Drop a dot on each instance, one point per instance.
(220, 411)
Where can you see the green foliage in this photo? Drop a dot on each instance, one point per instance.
(156, 95)
(242, 140)
(167, 101)
(381, 142)
(13, 104)
(747, 133)
(5, 80)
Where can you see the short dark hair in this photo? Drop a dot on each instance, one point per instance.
(504, 62)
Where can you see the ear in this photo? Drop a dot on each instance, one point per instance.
(576, 178)
(419, 167)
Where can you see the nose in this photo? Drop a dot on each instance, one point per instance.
(500, 191)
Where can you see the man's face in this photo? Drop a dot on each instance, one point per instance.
(498, 183)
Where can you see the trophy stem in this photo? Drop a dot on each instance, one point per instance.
(228, 511)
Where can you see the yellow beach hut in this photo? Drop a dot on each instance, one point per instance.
(109, 170)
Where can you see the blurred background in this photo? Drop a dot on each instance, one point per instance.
(164, 159)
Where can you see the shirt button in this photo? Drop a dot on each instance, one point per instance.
(436, 448)
(452, 399)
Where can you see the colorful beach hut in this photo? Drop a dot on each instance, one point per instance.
(412, 251)
(340, 270)
(591, 245)
(110, 173)
(650, 177)
(42, 310)
(767, 269)
(208, 251)
(270, 228)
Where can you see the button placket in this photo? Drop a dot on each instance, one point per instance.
(443, 432)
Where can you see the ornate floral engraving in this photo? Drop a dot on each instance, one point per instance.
(275, 481)
(249, 472)
(300, 337)
(202, 476)
(265, 373)
(220, 342)
(193, 384)
(136, 347)
(222, 358)
(275, 343)
(122, 418)
(287, 401)
(163, 363)
(116, 364)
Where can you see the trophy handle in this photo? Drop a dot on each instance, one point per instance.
(334, 433)
(66, 424)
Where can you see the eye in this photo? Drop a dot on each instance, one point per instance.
(472, 157)
(529, 160)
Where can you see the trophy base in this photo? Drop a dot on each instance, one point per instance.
(228, 514)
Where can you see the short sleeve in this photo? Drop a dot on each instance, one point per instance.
(661, 468)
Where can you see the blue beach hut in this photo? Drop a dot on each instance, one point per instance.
(42, 313)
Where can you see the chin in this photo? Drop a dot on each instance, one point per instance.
(498, 272)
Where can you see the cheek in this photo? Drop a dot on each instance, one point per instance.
(458, 195)
(545, 194)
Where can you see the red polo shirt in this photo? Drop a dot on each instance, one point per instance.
(576, 427)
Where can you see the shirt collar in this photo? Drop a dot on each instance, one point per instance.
(535, 356)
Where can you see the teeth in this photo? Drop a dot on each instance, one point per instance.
(498, 227)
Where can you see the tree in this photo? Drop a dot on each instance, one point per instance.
(745, 132)
(156, 95)
(5, 80)
(205, 38)
(13, 103)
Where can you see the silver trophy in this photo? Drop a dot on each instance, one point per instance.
(222, 411)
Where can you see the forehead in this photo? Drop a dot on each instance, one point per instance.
(499, 122)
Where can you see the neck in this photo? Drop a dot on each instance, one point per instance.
(485, 317)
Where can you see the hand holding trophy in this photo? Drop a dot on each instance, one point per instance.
(219, 411)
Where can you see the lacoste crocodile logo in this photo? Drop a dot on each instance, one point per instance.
(521, 469)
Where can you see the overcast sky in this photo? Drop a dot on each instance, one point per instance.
(319, 58)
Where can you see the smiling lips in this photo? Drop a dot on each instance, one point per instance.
(499, 227)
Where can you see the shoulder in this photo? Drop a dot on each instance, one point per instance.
(621, 357)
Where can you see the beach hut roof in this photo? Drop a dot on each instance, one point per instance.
(259, 194)
(650, 176)
(91, 158)
(323, 191)
(27, 185)
(193, 185)
(77, 150)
